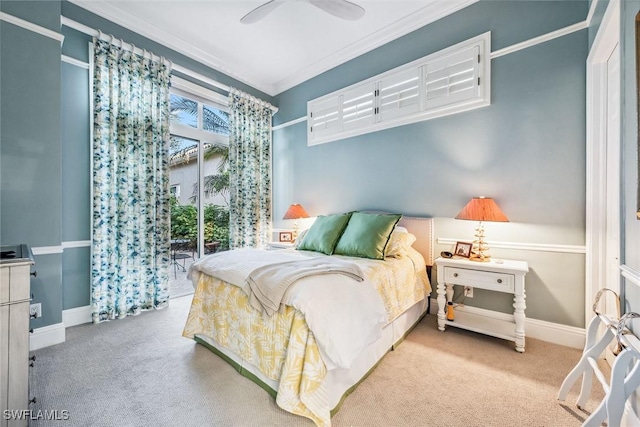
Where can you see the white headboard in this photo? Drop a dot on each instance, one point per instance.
(422, 228)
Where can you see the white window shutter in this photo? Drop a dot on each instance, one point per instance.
(323, 119)
(358, 107)
(399, 95)
(452, 79)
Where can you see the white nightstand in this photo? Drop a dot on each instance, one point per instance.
(280, 245)
(502, 276)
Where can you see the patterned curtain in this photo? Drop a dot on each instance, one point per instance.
(249, 170)
(131, 214)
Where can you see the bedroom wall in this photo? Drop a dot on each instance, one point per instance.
(76, 141)
(527, 150)
(45, 150)
(30, 152)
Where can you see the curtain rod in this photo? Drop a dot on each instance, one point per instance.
(178, 68)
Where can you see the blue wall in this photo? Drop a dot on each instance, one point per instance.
(527, 149)
(30, 155)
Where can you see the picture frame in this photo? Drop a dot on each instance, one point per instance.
(463, 249)
(285, 236)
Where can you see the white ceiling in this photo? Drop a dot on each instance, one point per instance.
(294, 43)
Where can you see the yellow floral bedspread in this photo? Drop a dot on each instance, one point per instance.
(281, 346)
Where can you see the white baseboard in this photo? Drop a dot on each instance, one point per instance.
(76, 316)
(46, 336)
(539, 329)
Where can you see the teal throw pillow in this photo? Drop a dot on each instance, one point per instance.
(324, 233)
(366, 235)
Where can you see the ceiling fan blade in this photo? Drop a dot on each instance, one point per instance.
(340, 8)
(260, 12)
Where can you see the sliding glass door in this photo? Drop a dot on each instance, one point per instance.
(199, 179)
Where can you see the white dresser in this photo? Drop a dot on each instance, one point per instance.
(14, 341)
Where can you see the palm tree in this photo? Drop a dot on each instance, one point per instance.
(213, 120)
(219, 182)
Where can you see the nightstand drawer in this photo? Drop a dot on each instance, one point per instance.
(479, 279)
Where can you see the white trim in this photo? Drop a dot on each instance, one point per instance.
(418, 19)
(76, 62)
(76, 244)
(46, 336)
(192, 88)
(542, 247)
(289, 123)
(111, 39)
(630, 274)
(606, 39)
(592, 11)
(76, 316)
(31, 27)
(555, 333)
(47, 250)
(540, 39)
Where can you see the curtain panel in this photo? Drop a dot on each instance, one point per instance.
(131, 212)
(249, 170)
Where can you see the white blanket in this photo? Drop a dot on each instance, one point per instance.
(344, 315)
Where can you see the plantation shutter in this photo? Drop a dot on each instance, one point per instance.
(452, 79)
(358, 106)
(399, 95)
(324, 119)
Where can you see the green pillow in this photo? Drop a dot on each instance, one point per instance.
(367, 235)
(324, 233)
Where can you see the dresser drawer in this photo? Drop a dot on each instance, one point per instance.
(500, 282)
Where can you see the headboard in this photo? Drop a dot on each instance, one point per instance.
(422, 228)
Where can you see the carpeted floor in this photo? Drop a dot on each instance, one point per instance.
(140, 371)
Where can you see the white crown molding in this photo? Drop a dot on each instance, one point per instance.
(419, 19)
(117, 16)
(31, 27)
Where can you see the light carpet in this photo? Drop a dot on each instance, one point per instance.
(140, 371)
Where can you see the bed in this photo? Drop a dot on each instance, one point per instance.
(331, 329)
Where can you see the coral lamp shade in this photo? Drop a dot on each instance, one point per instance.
(295, 211)
(482, 209)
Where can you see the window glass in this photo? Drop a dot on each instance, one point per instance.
(215, 120)
(184, 111)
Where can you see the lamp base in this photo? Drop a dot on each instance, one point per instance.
(478, 258)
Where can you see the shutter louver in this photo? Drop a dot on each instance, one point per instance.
(452, 79)
(358, 107)
(399, 95)
(324, 119)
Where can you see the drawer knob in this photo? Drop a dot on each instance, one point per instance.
(455, 274)
(499, 280)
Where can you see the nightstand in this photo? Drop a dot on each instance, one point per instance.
(279, 245)
(497, 276)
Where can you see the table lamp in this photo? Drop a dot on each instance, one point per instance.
(295, 211)
(481, 209)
